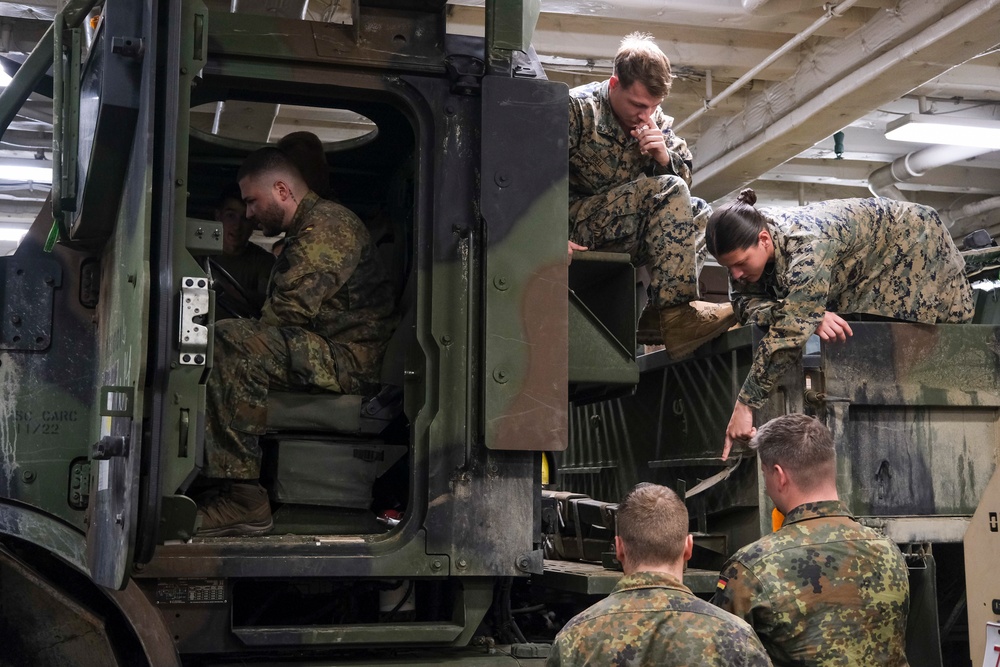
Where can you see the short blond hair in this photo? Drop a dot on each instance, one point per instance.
(800, 444)
(640, 59)
(652, 521)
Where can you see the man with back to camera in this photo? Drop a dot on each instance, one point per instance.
(823, 589)
(651, 618)
(325, 325)
(629, 176)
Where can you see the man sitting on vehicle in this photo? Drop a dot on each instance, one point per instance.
(629, 175)
(325, 325)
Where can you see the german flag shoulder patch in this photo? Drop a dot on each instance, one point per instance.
(721, 586)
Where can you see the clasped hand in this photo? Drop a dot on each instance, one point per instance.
(652, 143)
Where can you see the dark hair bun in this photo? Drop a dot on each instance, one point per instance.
(747, 196)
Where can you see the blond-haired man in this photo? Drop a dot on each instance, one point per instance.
(629, 176)
(651, 618)
(823, 589)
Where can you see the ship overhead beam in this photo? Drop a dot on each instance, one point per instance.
(839, 81)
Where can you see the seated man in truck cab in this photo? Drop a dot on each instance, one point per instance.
(629, 176)
(822, 589)
(651, 617)
(798, 271)
(325, 325)
(246, 264)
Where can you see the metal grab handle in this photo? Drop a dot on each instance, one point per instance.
(817, 398)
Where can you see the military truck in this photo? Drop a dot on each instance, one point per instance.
(107, 343)
(434, 522)
(914, 413)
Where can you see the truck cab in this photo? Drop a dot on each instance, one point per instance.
(457, 164)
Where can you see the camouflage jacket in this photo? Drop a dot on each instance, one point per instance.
(652, 619)
(602, 155)
(875, 256)
(822, 590)
(329, 281)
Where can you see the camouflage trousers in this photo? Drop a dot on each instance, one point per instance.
(658, 223)
(250, 358)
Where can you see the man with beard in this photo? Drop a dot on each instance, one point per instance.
(247, 264)
(325, 325)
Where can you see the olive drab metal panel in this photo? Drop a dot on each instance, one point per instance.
(913, 409)
(121, 214)
(510, 24)
(524, 204)
(182, 309)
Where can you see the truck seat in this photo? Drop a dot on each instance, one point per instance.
(350, 414)
(326, 448)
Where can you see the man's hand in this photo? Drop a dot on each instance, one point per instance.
(740, 427)
(651, 143)
(572, 247)
(833, 327)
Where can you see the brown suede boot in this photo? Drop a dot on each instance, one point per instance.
(688, 326)
(237, 509)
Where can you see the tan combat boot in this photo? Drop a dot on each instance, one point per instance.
(688, 326)
(237, 509)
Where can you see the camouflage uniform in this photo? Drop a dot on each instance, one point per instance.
(251, 269)
(875, 256)
(652, 619)
(822, 590)
(325, 325)
(623, 201)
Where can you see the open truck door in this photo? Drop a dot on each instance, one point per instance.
(100, 101)
(119, 192)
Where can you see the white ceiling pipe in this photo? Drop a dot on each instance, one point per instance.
(734, 156)
(772, 7)
(949, 215)
(721, 8)
(832, 12)
(883, 180)
(631, 8)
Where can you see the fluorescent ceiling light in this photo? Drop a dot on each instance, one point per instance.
(4, 78)
(932, 129)
(10, 172)
(12, 234)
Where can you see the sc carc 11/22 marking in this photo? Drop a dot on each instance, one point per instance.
(32, 428)
(42, 422)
